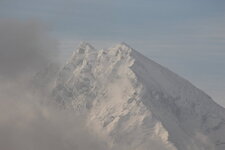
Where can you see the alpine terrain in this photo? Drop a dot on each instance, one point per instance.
(133, 103)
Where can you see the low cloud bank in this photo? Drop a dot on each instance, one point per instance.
(27, 120)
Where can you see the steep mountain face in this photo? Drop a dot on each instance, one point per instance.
(134, 103)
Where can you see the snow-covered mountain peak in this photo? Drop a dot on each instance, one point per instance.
(85, 47)
(132, 101)
(83, 50)
(122, 47)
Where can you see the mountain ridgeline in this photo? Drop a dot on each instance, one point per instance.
(132, 102)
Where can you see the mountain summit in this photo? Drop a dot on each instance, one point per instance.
(134, 103)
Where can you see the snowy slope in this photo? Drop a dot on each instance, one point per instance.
(134, 103)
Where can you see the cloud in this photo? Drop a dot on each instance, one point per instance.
(25, 124)
(204, 141)
(31, 120)
(25, 46)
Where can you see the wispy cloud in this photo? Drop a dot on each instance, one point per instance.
(29, 118)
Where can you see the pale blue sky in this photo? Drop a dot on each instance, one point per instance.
(187, 36)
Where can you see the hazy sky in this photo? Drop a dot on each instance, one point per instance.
(187, 36)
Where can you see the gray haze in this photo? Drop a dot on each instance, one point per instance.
(27, 120)
(24, 46)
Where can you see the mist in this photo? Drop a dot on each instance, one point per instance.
(29, 118)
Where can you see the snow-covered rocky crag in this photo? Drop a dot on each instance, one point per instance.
(134, 103)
